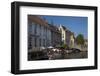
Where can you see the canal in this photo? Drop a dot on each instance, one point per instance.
(71, 55)
(56, 55)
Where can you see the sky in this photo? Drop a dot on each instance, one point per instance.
(78, 25)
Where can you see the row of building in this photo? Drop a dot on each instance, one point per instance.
(43, 34)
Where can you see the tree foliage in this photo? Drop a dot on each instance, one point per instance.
(64, 46)
(80, 39)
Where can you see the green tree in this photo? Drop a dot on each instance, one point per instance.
(80, 39)
(64, 46)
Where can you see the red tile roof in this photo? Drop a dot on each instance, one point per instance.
(37, 20)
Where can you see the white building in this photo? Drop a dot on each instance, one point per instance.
(67, 36)
(39, 34)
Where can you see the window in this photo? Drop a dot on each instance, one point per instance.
(35, 29)
(35, 42)
(29, 42)
(62, 35)
(44, 42)
(30, 29)
(40, 42)
(40, 29)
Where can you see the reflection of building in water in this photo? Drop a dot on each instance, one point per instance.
(67, 36)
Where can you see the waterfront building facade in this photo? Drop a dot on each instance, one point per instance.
(55, 36)
(42, 34)
(39, 33)
(67, 36)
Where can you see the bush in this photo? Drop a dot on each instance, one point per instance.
(64, 46)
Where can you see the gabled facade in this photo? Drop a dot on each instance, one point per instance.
(55, 35)
(39, 34)
(67, 36)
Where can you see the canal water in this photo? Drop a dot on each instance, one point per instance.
(57, 56)
(71, 55)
